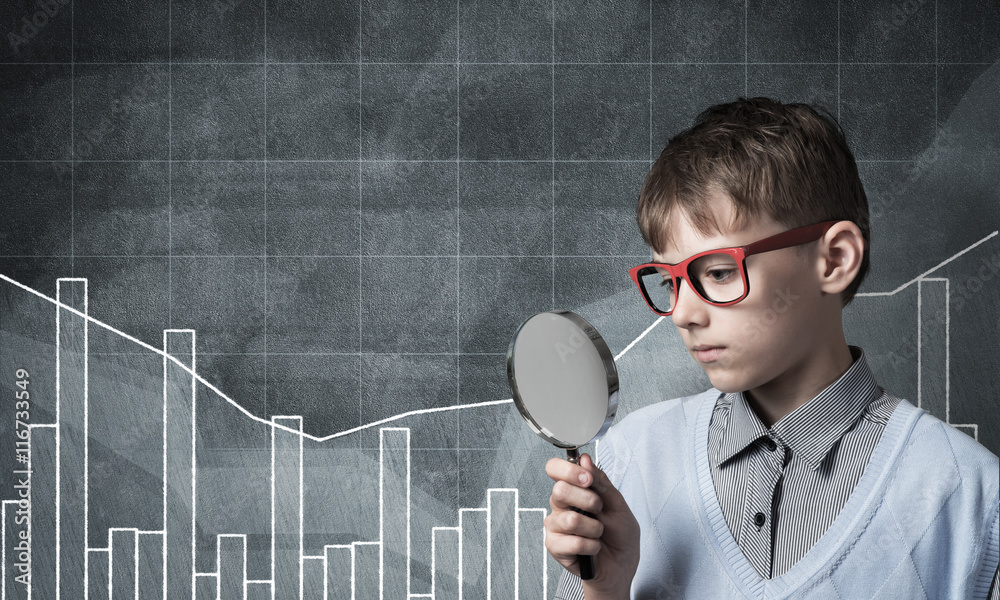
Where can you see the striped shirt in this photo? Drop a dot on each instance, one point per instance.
(780, 488)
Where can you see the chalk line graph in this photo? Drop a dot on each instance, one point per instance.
(120, 565)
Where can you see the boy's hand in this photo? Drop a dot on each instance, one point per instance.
(613, 535)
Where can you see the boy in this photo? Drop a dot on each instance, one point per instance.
(795, 475)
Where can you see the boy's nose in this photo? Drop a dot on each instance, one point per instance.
(688, 307)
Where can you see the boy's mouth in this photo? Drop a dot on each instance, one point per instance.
(705, 353)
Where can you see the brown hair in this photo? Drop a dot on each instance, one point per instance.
(786, 161)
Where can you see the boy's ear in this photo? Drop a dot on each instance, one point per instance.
(840, 252)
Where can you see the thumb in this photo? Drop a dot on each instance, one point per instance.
(601, 483)
(588, 463)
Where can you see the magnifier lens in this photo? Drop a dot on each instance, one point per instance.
(565, 385)
(561, 379)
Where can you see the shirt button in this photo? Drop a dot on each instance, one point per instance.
(758, 519)
(770, 445)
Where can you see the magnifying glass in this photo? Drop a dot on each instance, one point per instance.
(564, 383)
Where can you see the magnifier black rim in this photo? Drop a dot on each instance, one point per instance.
(610, 371)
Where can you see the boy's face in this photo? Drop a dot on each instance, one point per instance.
(777, 336)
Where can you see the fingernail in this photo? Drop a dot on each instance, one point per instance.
(584, 478)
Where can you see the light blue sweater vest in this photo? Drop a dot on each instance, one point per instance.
(922, 522)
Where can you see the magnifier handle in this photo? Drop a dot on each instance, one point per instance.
(585, 561)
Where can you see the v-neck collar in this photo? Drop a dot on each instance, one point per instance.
(855, 511)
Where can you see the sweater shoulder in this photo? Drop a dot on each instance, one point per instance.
(936, 441)
(676, 411)
(651, 430)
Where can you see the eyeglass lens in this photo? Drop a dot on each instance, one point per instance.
(716, 278)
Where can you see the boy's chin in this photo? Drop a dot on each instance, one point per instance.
(727, 385)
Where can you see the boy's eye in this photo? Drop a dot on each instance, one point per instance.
(721, 275)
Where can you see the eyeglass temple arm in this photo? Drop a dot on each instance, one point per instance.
(794, 237)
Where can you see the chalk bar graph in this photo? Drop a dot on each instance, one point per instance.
(491, 551)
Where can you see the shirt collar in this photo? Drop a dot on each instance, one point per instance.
(743, 428)
(810, 430)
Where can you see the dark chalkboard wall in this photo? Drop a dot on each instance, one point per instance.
(354, 205)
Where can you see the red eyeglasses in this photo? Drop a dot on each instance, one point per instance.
(717, 276)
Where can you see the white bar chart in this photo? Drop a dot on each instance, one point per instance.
(488, 553)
